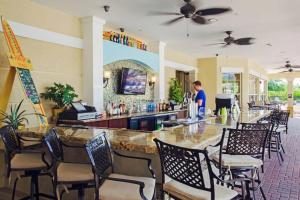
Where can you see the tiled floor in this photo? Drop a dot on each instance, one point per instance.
(283, 182)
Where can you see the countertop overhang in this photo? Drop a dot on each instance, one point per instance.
(197, 135)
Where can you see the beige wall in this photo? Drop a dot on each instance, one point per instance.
(169, 74)
(179, 57)
(51, 62)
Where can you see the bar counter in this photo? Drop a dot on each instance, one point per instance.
(192, 136)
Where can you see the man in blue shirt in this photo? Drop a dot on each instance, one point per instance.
(200, 98)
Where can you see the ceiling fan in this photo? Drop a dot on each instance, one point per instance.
(289, 70)
(189, 11)
(229, 40)
(288, 66)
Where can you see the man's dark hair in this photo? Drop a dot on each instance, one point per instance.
(197, 83)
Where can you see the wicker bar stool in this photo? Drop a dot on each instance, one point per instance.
(24, 162)
(242, 154)
(113, 186)
(70, 175)
(188, 177)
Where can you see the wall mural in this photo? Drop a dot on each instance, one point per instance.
(111, 91)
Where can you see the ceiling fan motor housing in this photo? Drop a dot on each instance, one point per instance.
(229, 40)
(187, 10)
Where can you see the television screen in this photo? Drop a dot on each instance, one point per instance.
(133, 81)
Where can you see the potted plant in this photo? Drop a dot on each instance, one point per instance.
(16, 117)
(175, 92)
(61, 95)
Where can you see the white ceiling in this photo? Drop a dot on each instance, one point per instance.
(270, 21)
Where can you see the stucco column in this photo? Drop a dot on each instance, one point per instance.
(92, 72)
(290, 90)
(159, 89)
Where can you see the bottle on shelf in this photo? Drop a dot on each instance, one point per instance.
(164, 106)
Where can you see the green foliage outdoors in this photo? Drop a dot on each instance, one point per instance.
(16, 117)
(175, 91)
(278, 88)
(61, 95)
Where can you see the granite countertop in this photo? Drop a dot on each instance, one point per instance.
(192, 136)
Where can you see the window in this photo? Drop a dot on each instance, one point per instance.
(231, 84)
(184, 80)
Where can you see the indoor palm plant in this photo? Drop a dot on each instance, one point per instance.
(175, 92)
(16, 117)
(61, 95)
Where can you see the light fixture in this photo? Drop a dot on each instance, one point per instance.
(212, 20)
(106, 77)
(152, 81)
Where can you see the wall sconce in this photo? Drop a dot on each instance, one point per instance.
(106, 77)
(152, 81)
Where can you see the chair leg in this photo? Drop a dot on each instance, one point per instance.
(32, 188)
(282, 148)
(262, 193)
(14, 189)
(36, 183)
(81, 193)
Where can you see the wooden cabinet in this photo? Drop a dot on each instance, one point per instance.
(118, 123)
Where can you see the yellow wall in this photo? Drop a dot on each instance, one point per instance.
(51, 62)
(207, 74)
(210, 75)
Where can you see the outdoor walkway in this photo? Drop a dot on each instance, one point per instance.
(283, 182)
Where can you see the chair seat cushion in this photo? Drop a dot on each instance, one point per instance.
(115, 190)
(30, 143)
(28, 161)
(74, 172)
(233, 161)
(185, 192)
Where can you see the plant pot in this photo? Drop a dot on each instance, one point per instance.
(55, 113)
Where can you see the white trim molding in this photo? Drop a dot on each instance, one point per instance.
(180, 66)
(232, 70)
(257, 74)
(44, 35)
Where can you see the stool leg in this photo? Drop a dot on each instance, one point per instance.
(81, 193)
(37, 193)
(14, 189)
(32, 188)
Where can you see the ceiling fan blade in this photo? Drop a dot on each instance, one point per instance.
(279, 68)
(295, 66)
(225, 45)
(199, 20)
(244, 41)
(212, 11)
(163, 13)
(215, 44)
(173, 20)
(284, 72)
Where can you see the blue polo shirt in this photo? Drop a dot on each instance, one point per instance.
(201, 96)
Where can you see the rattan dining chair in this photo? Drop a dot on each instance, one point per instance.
(71, 175)
(191, 174)
(242, 152)
(114, 186)
(25, 162)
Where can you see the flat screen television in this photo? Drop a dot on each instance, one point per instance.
(133, 81)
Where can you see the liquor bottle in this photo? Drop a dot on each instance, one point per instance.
(164, 106)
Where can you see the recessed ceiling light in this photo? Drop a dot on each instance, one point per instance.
(212, 20)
